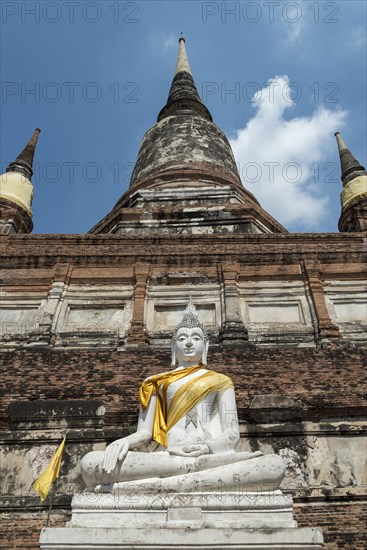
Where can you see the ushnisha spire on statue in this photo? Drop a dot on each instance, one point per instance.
(190, 319)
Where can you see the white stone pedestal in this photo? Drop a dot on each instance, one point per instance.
(212, 520)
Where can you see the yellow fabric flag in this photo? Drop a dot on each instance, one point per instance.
(43, 484)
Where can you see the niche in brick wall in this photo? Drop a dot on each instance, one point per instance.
(19, 317)
(166, 305)
(347, 305)
(92, 316)
(277, 312)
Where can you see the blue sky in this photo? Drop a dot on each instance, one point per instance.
(279, 78)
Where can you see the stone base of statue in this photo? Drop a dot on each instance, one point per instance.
(160, 520)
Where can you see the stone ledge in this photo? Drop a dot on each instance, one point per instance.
(223, 520)
(207, 510)
(182, 538)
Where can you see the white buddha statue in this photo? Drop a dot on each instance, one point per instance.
(190, 413)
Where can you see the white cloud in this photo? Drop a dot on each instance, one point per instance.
(294, 30)
(282, 161)
(357, 38)
(292, 17)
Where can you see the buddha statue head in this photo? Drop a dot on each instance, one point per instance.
(190, 339)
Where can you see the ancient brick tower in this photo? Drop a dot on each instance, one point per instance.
(354, 194)
(16, 192)
(85, 318)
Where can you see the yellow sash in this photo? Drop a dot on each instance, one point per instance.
(184, 400)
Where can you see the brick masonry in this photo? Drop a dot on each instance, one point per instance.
(320, 386)
(321, 380)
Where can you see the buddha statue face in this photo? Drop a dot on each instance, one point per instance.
(189, 346)
(190, 340)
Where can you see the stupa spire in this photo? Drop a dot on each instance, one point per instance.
(354, 194)
(16, 191)
(350, 166)
(24, 161)
(182, 59)
(183, 96)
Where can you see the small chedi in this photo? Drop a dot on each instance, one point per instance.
(178, 482)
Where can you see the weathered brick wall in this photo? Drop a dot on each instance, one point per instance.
(322, 380)
(21, 531)
(327, 384)
(44, 251)
(343, 525)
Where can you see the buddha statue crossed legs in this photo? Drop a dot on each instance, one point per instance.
(190, 413)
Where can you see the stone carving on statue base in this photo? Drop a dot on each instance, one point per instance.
(193, 490)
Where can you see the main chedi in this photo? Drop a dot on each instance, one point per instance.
(193, 490)
(186, 175)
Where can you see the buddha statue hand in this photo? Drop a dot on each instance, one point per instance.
(115, 452)
(190, 450)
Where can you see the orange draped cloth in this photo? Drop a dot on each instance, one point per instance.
(186, 397)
